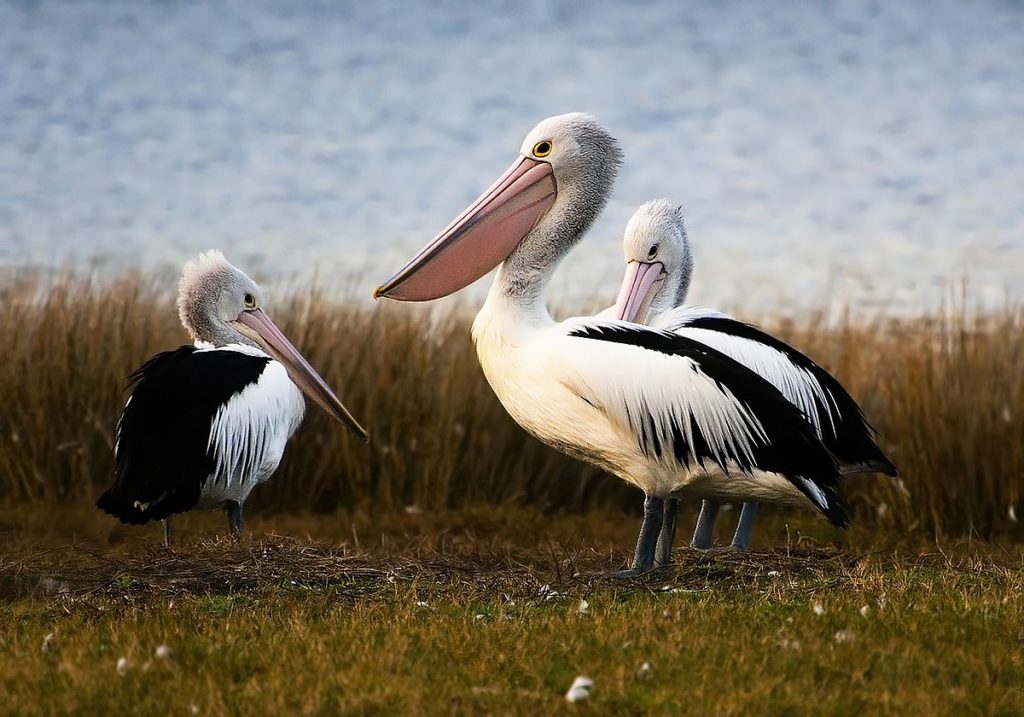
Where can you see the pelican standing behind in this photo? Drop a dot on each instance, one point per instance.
(205, 424)
(661, 411)
(659, 267)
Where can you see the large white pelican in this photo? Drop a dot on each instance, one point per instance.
(664, 412)
(207, 423)
(659, 267)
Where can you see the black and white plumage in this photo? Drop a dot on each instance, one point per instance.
(833, 412)
(735, 421)
(660, 411)
(205, 424)
(659, 269)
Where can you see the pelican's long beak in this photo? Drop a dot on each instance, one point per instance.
(478, 239)
(256, 325)
(638, 290)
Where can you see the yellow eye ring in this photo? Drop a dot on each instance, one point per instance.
(250, 301)
(542, 149)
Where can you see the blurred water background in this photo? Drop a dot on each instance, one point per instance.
(860, 153)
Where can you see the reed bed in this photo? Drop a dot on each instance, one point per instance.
(945, 390)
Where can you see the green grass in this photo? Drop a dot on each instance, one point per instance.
(448, 614)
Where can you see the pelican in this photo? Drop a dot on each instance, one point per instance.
(661, 411)
(659, 266)
(207, 423)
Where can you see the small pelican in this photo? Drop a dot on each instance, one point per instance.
(659, 266)
(205, 424)
(664, 412)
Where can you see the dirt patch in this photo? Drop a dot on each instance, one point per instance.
(220, 566)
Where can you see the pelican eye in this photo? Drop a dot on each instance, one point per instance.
(653, 252)
(542, 149)
(250, 301)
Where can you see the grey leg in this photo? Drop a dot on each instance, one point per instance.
(663, 554)
(647, 541)
(168, 534)
(704, 533)
(234, 511)
(741, 539)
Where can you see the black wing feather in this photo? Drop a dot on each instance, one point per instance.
(792, 449)
(853, 439)
(162, 459)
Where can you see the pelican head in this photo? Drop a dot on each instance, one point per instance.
(220, 305)
(212, 295)
(560, 180)
(659, 263)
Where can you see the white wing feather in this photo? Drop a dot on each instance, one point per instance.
(797, 384)
(249, 432)
(629, 384)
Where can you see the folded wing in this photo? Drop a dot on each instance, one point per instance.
(688, 403)
(834, 413)
(163, 450)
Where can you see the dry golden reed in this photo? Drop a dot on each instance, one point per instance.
(946, 392)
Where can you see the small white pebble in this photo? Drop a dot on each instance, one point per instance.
(421, 603)
(1012, 512)
(772, 573)
(193, 708)
(580, 689)
(48, 642)
(844, 636)
(479, 616)
(865, 611)
(643, 669)
(413, 509)
(583, 608)
(122, 665)
(163, 652)
(818, 608)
